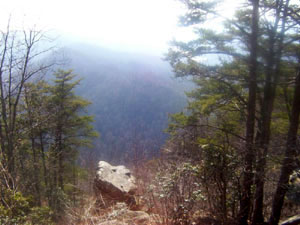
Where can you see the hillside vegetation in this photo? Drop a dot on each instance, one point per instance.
(231, 155)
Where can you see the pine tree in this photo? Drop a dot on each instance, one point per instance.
(70, 128)
(250, 57)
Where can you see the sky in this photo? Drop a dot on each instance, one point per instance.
(138, 24)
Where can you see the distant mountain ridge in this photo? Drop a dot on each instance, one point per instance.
(131, 95)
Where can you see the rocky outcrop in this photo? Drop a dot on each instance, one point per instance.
(115, 188)
(121, 214)
(293, 193)
(114, 184)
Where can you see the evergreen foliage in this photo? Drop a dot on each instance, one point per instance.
(245, 72)
(232, 156)
(53, 127)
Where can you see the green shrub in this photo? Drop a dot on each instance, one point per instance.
(15, 209)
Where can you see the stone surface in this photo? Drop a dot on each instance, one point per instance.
(114, 184)
(293, 193)
(121, 214)
(112, 222)
(135, 217)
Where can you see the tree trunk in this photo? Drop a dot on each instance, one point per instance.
(61, 171)
(60, 159)
(45, 172)
(36, 173)
(288, 164)
(274, 60)
(251, 108)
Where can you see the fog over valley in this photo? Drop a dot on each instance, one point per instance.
(132, 95)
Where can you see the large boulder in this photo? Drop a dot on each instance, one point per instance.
(114, 184)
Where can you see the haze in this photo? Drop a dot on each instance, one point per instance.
(132, 24)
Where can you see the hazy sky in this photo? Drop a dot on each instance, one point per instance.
(141, 24)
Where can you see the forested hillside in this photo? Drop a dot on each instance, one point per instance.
(231, 151)
(132, 96)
